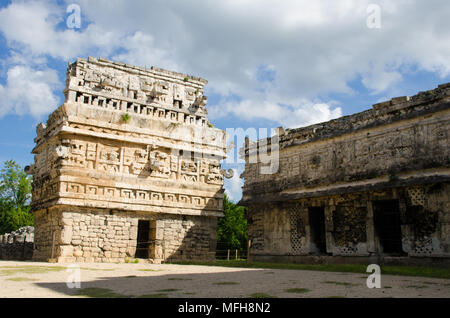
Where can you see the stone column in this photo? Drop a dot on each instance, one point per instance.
(72, 96)
(157, 227)
(329, 227)
(370, 229)
(405, 227)
(305, 218)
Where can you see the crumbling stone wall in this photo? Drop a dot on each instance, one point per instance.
(255, 220)
(17, 245)
(395, 153)
(189, 238)
(349, 229)
(349, 223)
(277, 231)
(47, 232)
(96, 235)
(395, 138)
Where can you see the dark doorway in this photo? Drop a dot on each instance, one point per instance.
(317, 228)
(386, 219)
(143, 238)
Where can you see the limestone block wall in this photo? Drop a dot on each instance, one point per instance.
(255, 221)
(16, 251)
(17, 245)
(189, 238)
(97, 235)
(47, 232)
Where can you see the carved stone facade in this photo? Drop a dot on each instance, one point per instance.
(375, 184)
(128, 162)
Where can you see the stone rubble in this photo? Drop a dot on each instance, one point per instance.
(17, 245)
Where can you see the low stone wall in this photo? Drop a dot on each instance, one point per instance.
(17, 245)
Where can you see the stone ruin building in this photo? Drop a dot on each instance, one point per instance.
(373, 186)
(127, 167)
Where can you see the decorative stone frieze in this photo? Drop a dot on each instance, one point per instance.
(371, 184)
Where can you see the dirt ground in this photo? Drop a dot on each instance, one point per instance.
(42, 280)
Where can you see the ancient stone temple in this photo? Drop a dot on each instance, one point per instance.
(367, 187)
(127, 167)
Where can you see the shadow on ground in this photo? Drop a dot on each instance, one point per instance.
(224, 284)
(264, 283)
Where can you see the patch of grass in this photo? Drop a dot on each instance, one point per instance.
(387, 287)
(131, 276)
(150, 270)
(135, 261)
(154, 296)
(432, 272)
(97, 269)
(168, 290)
(226, 283)
(261, 295)
(125, 117)
(189, 293)
(31, 269)
(94, 292)
(417, 286)
(339, 283)
(297, 290)
(22, 279)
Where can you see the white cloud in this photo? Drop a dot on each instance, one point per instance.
(313, 47)
(29, 91)
(233, 186)
(381, 81)
(309, 50)
(294, 114)
(31, 26)
(141, 50)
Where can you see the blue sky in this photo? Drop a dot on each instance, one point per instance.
(268, 63)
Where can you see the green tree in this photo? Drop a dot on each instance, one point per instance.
(232, 228)
(15, 197)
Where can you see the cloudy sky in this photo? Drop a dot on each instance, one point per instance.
(269, 63)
